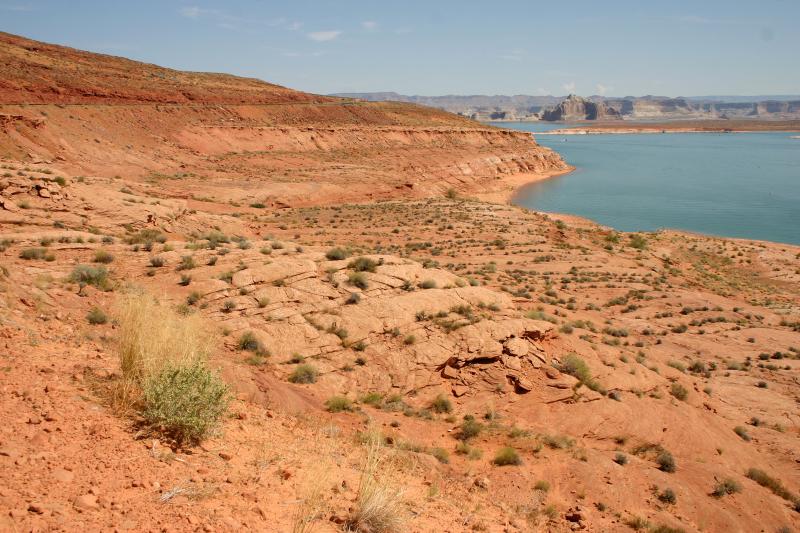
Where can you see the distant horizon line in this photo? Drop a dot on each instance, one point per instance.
(468, 95)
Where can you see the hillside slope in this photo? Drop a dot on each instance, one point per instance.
(479, 367)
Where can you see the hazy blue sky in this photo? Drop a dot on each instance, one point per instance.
(613, 47)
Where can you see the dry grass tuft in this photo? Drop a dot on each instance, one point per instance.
(379, 507)
(165, 377)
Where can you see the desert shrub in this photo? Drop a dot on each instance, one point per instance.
(665, 461)
(363, 264)
(36, 253)
(621, 459)
(337, 254)
(304, 373)
(577, 367)
(637, 523)
(187, 263)
(96, 316)
(542, 485)
(775, 485)
(249, 342)
(103, 256)
(469, 428)
(557, 442)
(428, 284)
(163, 356)
(666, 529)
(372, 398)
(440, 404)
(358, 279)
(353, 299)
(725, 487)
(146, 236)
(185, 400)
(507, 456)
(742, 432)
(379, 505)
(667, 496)
(441, 455)
(337, 404)
(157, 261)
(638, 242)
(89, 275)
(679, 391)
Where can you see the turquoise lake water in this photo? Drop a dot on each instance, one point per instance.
(728, 184)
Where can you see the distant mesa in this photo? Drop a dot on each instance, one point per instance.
(578, 108)
(575, 108)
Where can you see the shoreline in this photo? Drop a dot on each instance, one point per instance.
(649, 131)
(510, 185)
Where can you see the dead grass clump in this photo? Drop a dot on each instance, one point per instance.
(165, 376)
(379, 506)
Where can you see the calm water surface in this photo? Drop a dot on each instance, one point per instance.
(729, 184)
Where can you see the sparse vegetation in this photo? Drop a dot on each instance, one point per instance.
(165, 372)
(304, 373)
(507, 456)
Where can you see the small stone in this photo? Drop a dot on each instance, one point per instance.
(59, 474)
(482, 482)
(36, 508)
(226, 455)
(86, 502)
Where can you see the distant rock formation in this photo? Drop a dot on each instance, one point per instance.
(577, 108)
(526, 108)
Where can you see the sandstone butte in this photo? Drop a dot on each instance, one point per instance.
(471, 307)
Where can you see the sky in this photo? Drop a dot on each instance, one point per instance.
(435, 47)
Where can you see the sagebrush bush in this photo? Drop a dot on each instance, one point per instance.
(725, 487)
(440, 404)
(363, 264)
(336, 254)
(96, 316)
(337, 404)
(507, 456)
(103, 256)
(165, 374)
(185, 401)
(304, 374)
(96, 276)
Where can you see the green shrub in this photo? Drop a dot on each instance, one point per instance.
(742, 432)
(249, 342)
(507, 456)
(428, 284)
(440, 404)
(577, 367)
(185, 401)
(337, 254)
(679, 391)
(371, 398)
(775, 485)
(304, 374)
(668, 496)
(103, 256)
(469, 428)
(638, 242)
(358, 279)
(542, 485)
(363, 264)
(441, 454)
(90, 275)
(36, 253)
(621, 459)
(96, 316)
(337, 404)
(187, 263)
(666, 462)
(725, 487)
